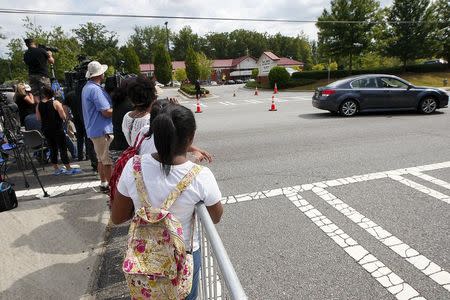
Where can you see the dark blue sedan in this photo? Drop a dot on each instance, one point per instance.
(377, 92)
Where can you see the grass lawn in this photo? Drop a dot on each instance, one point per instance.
(419, 79)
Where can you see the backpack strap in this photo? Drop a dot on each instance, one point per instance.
(138, 179)
(181, 186)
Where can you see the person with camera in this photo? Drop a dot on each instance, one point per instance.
(37, 60)
(97, 115)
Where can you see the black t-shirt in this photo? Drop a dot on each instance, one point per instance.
(50, 119)
(25, 108)
(37, 61)
(119, 142)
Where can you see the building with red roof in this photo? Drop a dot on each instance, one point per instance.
(236, 68)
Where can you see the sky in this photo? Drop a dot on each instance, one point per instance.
(12, 25)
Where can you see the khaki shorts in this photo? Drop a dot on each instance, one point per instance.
(101, 147)
(37, 82)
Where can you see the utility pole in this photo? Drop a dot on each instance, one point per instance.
(168, 50)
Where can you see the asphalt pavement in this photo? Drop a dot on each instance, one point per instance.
(316, 206)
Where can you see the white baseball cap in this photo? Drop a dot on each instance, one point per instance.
(27, 88)
(95, 69)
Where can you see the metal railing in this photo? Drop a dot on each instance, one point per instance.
(218, 279)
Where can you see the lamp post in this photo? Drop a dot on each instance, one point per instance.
(168, 49)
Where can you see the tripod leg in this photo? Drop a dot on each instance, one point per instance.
(21, 165)
(35, 171)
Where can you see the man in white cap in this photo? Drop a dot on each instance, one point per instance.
(97, 113)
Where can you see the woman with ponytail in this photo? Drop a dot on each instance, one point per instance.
(148, 144)
(173, 132)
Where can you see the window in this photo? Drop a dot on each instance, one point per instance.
(391, 83)
(364, 83)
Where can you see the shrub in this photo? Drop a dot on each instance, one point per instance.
(280, 76)
(255, 73)
(317, 75)
(190, 89)
(300, 82)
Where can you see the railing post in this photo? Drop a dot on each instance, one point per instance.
(223, 261)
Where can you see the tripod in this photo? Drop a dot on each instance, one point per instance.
(16, 145)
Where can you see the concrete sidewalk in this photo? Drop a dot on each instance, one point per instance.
(50, 248)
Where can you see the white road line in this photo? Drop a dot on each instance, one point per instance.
(385, 276)
(432, 179)
(421, 188)
(336, 182)
(182, 96)
(53, 190)
(227, 103)
(254, 101)
(423, 264)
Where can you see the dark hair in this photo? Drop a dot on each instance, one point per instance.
(47, 92)
(28, 42)
(119, 94)
(141, 92)
(157, 106)
(172, 129)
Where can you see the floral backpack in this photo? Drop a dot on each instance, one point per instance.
(157, 264)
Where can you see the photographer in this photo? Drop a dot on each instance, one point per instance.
(37, 60)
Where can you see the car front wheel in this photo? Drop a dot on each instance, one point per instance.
(348, 108)
(428, 105)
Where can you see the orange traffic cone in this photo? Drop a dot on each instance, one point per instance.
(256, 91)
(199, 108)
(273, 107)
(275, 89)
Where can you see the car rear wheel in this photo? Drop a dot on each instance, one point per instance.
(428, 105)
(348, 108)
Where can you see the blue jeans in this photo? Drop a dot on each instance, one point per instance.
(197, 264)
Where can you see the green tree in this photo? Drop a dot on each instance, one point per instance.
(409, 41)
(131, 59)
(180, 74)
(145, 39)
(18, 67)
(205, 66)
(182, 41)
(318, 67)
(95, 38)
(280, 76)
(219, 44)
(255, 73)
(163, 64)
(192, 66)
(441, 31)
(343, 41)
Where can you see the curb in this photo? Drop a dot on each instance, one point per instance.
(193, 97)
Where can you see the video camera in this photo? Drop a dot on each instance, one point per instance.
(48, 48)
(78, 74)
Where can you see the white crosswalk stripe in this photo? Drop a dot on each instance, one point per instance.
(227, 103)
(379, 271)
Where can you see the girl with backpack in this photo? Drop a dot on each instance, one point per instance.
(50, 113)
(164, 186)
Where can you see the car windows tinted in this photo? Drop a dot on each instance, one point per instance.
(337, 83)
(391, 83)
(364, 83)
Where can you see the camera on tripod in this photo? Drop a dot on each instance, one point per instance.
(78, 75)
(48, 48)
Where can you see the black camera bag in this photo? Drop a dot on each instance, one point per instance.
(8, 199)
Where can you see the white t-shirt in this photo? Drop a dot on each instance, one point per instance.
(137, 123)
(148, 144)
(203, 188)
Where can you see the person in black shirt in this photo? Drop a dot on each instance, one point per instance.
(121, 106)
(26, 105)
(37, 60)
(52, 116)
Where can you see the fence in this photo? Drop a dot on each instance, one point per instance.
(218, 279)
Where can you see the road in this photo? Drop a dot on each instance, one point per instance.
(316, 206)
(280, 248)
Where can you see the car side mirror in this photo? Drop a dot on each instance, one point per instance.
(409, 87)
